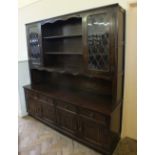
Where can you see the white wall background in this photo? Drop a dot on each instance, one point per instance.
(42, 9)
(23, 79)
(23, 3)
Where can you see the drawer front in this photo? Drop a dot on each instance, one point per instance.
(45, 99)
(31, 94)
(66, 106)
(38, 96)
(93, 115)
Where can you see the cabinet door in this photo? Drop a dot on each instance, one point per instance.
(34, 44)
(34, 107)
(67, 120)
(93, 132)
(99, 42)
(48, 112)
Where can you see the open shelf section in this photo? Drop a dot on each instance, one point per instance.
(94, 102)
(63, 46)
(62, 28)
(64, 53)
(63, 36)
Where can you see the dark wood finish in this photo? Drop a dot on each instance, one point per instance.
(92, 125)
(67, 120)
(63, 36)
(77, 69)
(93, 132)
(90, 101)
(48, 112)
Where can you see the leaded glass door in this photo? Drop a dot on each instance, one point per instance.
(34, 44)
(98, 41)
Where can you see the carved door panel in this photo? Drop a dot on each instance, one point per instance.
(34, 107)
(92, 131)
(48, 112)
(67, 120)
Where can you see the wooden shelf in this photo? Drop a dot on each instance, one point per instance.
(64, 53)
(63, 36)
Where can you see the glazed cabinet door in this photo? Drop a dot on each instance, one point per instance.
(34, 44)
(99, 42)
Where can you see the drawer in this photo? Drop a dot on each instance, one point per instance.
(66, 106)
(38, 96)
(45, 99)
(93, 115)
(31, 94)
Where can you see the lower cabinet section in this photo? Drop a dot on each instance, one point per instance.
(85, 126)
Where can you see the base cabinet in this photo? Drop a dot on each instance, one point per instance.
(86, 126)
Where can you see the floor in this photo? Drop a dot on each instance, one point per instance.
(36, 138)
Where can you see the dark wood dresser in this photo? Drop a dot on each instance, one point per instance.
(76, 64)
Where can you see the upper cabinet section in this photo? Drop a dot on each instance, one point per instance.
(34, 45)
(86, 42)
(98, 26)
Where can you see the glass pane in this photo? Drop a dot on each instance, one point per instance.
(34, 45)
(34, 42)
(98, 42)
